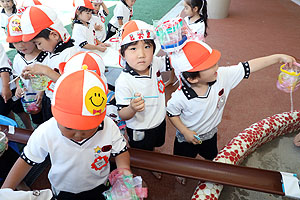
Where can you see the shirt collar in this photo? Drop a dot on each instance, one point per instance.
(189, 93)
(132, 72)
(100, 128)
(62, 46)
(123, 1)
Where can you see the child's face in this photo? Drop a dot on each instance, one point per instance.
(130, 2)
(96, 6)
(139, 56)
(209, 75)
(188, 10)
(25, 47)
(85, 16)
(47, 44)
(76, 135)
(6, 4)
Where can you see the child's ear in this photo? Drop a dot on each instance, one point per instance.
(196, 9)
(192, 80)
(54, 35)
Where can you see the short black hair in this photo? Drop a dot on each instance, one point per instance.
(191, 75)
(125, 46)
(44, 34)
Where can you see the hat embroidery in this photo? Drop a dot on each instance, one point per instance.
(16, 26)
(95, 100)
(161, 86)
(85, 67)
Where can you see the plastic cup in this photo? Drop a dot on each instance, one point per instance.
(289, 78)
(2, 143)
(29, 103)
(39, 82)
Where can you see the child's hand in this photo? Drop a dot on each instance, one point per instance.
(137, 104)
(297, 140)
(106, 44)
(101, 47)
(189, 137)
(35, 69)
(19, 92)
(98, 27)
(6, 94)
(286, 59)
(39, 97)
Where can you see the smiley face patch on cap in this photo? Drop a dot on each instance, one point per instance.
(79, 100)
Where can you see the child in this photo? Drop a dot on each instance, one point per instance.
(122, 14)
(196, 15)
(8, 9)
(79, 139)
(8, 91)
(84, 32)
(27, 55)
(196, 110)
(297, 140)
(141, 78)
(41, 25)
(98, 19)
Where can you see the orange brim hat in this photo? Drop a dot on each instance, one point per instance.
(195, 56)
(14, 31)
(83, 3)
(87, 61)
(79, 100)
(37, 18)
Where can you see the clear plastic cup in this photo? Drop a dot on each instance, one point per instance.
(289, 78)
(39, 82)
(2, 143)
(29, 103)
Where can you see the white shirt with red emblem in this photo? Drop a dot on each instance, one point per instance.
(130, 82)
(99, 20)
(121, 11)
(203, 113)
(84, 35)
(75, 167)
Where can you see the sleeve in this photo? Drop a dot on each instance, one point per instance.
(118, 11)
(118, 140)
(5, 65)
(122, 90)
(233, 75)
(163, 63)
(79, 35)
(36, 149)
(174, 108)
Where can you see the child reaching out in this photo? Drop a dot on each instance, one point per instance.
(141, 78)
(197, 108)
(98, 19)
(80, 140)
(83, 32)
(196, 16)
(122, 14)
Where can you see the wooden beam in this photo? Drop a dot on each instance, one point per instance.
(233, 175)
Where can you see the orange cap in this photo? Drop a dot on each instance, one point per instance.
(14, 31)
(79, 100)
(195, 56)
(83, 3)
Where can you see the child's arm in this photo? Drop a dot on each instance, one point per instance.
(6, 92)
(16, 174)
(123, 160)
(120, 21)
(262, 62)
(297, 140)
(99, 47)
(105, 8)
(188, 134)
(38, 69)
(136, 105)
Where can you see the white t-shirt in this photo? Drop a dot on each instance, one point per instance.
(75, 167)
(5, 66)
(62, 53)
(20, 63)
(203, 113)
(83, 35)
(197, 27)
(121, 11)
(99, 20)
(130, 82)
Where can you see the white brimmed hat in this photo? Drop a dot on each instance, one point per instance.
(79, 100)
(37, 18)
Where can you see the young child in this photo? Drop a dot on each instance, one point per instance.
(8, 9)
(41, 25)
(196, 16)
(27, 54)
(122, 14)
(98, 19)
(83, 32)
(8, 91)
(140, 91)
(79, 138)
(196, 110)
